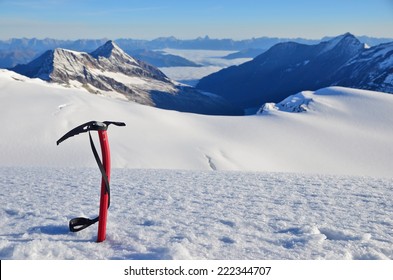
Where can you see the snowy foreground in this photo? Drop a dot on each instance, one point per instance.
(188, 186)
(163, 214)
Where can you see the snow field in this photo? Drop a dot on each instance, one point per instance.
(343, 132)
(172, 214)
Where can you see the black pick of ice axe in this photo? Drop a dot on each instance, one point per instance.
(92, 125)
(80, 223)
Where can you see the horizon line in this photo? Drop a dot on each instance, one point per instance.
(205, 37)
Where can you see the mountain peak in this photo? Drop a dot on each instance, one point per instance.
(345, 41)
(108, 49)
(301, 66)
(344, 37)
(347, 34)
(348, 37)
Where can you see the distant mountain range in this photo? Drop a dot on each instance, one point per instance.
(110, 71)
(22, 50)
(291, 67)
(284, 69)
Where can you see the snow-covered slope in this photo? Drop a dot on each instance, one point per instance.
(343, 131)
(371, 69)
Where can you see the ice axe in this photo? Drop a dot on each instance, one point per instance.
(80, 223)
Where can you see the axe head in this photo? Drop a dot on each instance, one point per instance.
(92, 125)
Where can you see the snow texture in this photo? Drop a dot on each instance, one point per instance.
(164, 214)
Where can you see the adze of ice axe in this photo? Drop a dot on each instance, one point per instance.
(81, 223)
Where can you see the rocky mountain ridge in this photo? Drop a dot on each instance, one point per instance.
(110, 71)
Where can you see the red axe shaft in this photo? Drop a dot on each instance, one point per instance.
(106, 162)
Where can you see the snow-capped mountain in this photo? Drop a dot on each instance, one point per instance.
(114, 59)
(371, 69)
(102, 70)
(292, 67)
(110, 71)
(20, 51)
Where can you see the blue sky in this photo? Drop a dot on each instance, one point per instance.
(186, 19)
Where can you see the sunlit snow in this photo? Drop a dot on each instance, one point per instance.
(315, 184)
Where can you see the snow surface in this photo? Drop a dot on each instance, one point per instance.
(164, 214)
(264, 201)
